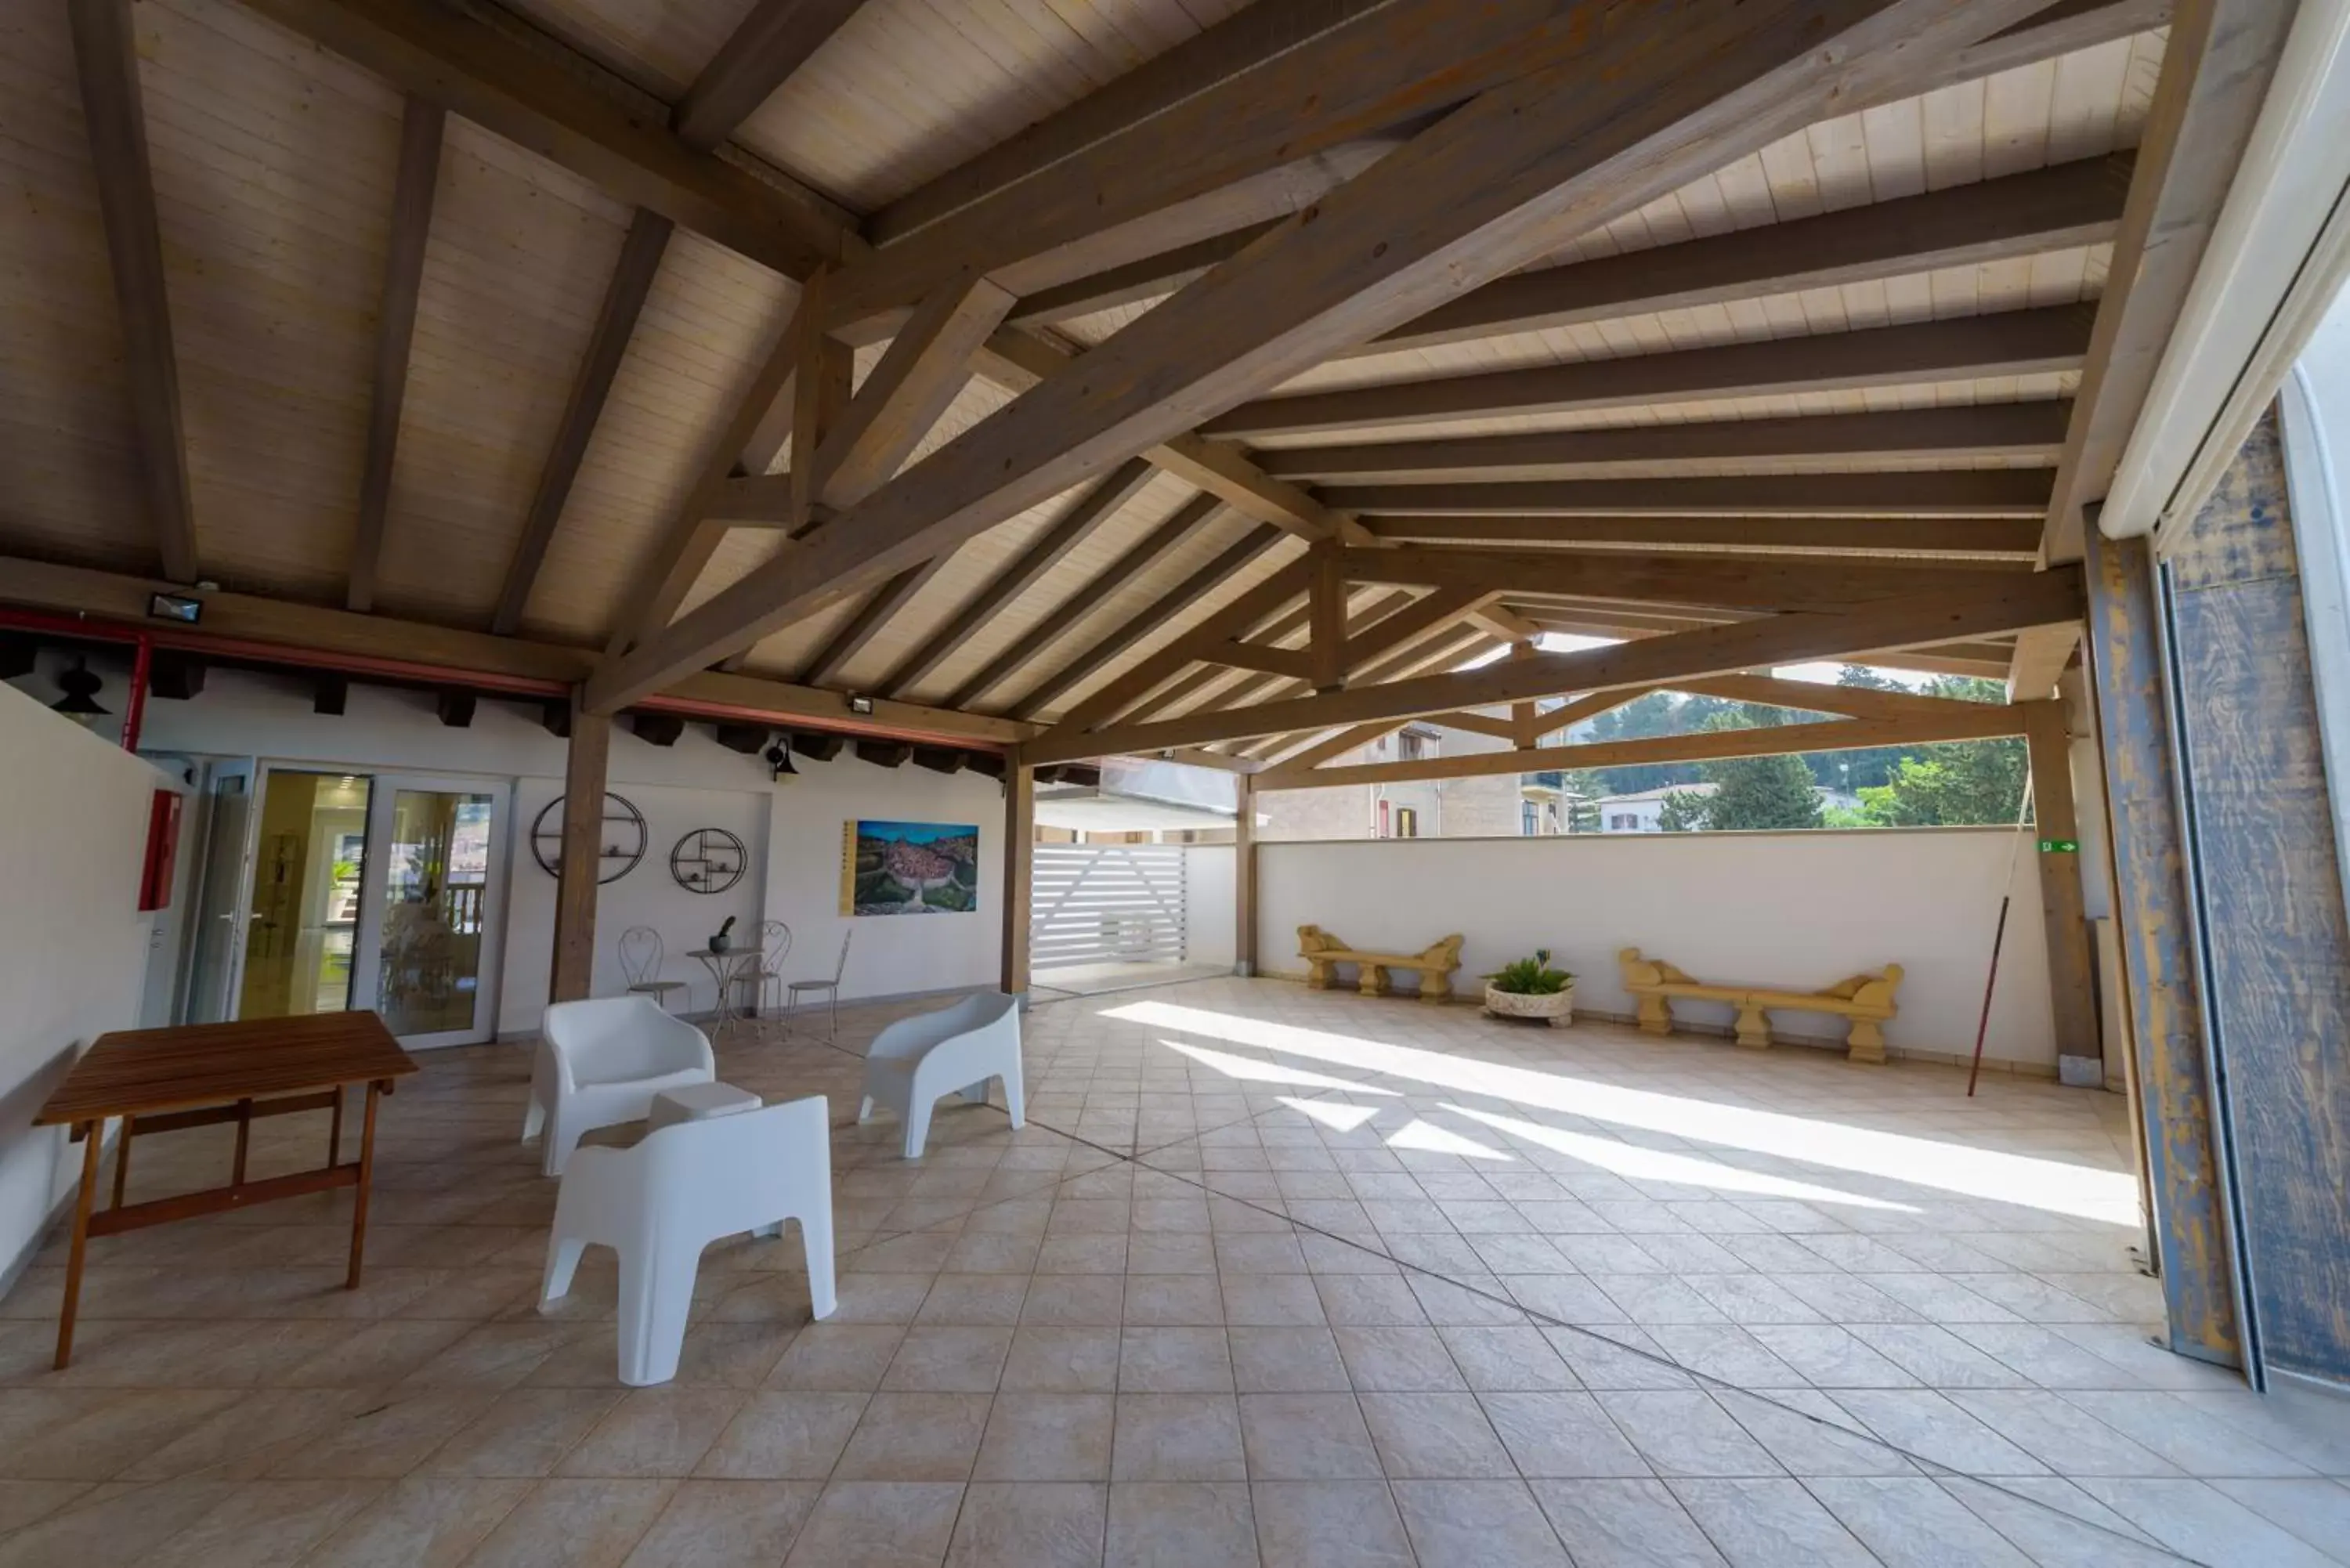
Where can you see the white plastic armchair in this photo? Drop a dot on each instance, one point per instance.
(659, 1203)
(916, 1061)
(601, 1062)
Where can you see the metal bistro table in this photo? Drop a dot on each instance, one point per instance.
(725, 972)
(162, 1080)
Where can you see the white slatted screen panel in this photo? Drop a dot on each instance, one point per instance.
(1107, 903)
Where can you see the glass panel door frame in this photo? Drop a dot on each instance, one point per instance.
(221, 901)
(367, 956)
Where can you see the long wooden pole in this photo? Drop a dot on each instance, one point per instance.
(573, 973)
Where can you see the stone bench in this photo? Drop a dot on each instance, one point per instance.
(1324, 952)
(1866, 999)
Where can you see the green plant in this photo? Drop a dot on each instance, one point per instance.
(1530, 976)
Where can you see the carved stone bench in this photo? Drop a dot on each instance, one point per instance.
(1324, 952)
(1866, 999)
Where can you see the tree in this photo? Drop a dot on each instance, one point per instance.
(1761, 794)
(1684, 812)
(1959, 783)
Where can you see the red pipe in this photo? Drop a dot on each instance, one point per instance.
(134, 711)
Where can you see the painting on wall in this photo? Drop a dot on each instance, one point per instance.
(909, 869)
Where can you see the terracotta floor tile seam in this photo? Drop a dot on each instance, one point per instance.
(1704, 1378)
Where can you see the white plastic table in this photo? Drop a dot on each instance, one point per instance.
(699, 1102)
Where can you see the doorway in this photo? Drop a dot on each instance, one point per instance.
(338, 891)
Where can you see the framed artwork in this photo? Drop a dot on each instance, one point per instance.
(909, 869)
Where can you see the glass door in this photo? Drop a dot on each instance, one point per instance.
(309, 855)
(429, 909)
(218, 939)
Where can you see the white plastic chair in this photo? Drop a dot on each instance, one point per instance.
(916, 1061)
(601, 1062)
(829, 988)
(643, 957)
(660, 1203)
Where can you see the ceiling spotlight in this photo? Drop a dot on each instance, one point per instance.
(779, 763)
(80, 689)
(860, 704)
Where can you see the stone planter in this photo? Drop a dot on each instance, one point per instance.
(1558, 1008)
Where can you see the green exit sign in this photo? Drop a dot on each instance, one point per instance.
(2060, 847)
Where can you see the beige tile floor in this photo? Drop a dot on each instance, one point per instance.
(1272, 1277)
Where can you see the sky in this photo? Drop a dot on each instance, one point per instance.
(1821, 672)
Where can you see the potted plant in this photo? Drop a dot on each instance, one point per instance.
(1530, 988)
(724, 937)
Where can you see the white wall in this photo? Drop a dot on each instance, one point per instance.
(73, 946)
(1209, 931)
(1795, 908)
(791, 828)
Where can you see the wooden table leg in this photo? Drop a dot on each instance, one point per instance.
(334, 1130)
(92, 1137)
(244, 1139)
(367, 1181)
(122, 1159)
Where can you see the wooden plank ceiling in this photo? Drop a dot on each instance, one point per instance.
(1108, 431)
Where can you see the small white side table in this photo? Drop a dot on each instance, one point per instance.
(700, 1102)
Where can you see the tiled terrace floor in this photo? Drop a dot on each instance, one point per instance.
(1272, 1276)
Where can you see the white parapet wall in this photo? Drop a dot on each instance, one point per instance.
(1801, 910)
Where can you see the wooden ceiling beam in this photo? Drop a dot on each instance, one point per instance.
(1626, 114)
(880, 607)
(1948, 492)
(422, 123)
(1819, 697)
(925, 366)
(616, 323)
(2014, 536)
(771, 43)
(747, 444)
(1453, 646)
(114, 116)
(254, 628)
(2052, 209)
(2215, 69)
(1187, 521)
(537, 92)
(1235, 559)
(2009, 343)
(2022, 433)
(2023, 599)
(1977, 722)
(1276, 81)
(1096, 506)
(1245, 615)
(2040, 656)
(1752, 583)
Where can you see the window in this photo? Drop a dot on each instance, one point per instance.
(1406, 822)
(1414, 745)
(1529, 818)
(1623, 822)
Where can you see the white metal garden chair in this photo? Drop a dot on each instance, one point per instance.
(799, 993)
(643, 957)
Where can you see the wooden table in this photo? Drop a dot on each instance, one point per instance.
(162, 1080)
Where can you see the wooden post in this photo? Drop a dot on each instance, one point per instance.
(1327, 597)
(574, 971)
(1244, 876)
(1526, 723)
(1019, 858)
(2163, 1000)
(2072, 1002)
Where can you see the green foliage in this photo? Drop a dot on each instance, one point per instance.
(1684, 812)
(1959, 783)
(1530, 976)
(952, 895)
(1761, 794)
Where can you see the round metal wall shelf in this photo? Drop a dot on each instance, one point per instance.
(708, 860)
(622, 840)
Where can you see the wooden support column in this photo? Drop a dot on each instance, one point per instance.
(1327, 598)
(1019, 861)
(1244, 876)
(573, 971)
(2163, 1000)
(2071, 1004)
